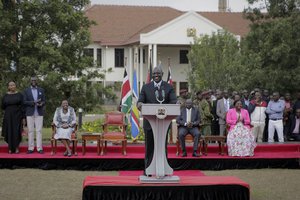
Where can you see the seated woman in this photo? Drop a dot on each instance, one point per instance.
(240, 140)
(65, 122)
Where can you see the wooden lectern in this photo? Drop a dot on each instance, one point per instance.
(159, 117)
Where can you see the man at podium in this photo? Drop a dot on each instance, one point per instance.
(157, 91)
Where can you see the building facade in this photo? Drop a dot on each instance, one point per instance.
(132, 37)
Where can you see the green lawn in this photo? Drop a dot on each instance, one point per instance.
(35, 184)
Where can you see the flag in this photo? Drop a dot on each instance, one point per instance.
(169, 80)
(149, 74)
(134, 116)
(126, 98)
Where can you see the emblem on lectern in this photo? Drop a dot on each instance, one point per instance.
(161, 113)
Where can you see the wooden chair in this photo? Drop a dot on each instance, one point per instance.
(114, 130)
(74, 140)
(189, 139)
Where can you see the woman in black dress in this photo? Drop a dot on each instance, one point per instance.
(12, 104)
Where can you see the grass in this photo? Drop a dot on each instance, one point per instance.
(35, 184)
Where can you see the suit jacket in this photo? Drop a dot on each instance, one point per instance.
(195, 117)
(221, 111)
(214, 110)
(147, 95)
(29, 101)
(292, 124)
(231, 118)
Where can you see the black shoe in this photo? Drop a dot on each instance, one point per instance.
(41, 151)
(29, 151)
(146, 174)
(195, 154)
(184, 154)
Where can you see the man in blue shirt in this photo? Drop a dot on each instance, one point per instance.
(275, 111)
(34, 100)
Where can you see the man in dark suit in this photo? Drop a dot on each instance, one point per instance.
(188, 121)
(154, 92)
(294, 129)
(223, 105)
(215, 128)
(34, 100)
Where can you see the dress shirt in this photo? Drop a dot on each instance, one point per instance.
(275, 109)
(188, 115)
(226, 104)
(246, 102)
(157, 84)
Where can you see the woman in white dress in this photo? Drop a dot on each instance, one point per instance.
(65, 122)
(240, 140)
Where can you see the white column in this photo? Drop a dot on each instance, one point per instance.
(104, 62)
(136, 61)
(130, 65)
(154, 55)
(150, 57)
(141, 76)
(177, 87)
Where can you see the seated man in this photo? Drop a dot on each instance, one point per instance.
(294, 130)
(188, 122)
(65, 121)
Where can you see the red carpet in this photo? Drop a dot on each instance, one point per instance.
(184, 180)
(266, 151)
(176, 173)
(188, 188)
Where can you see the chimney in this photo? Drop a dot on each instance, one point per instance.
(88, 5)
(222, 5)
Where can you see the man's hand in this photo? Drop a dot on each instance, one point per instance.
(65, 125)
(189, 125)
(139, 106)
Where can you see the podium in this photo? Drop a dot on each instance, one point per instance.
(159, 117)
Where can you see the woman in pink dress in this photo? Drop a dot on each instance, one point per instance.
(240, 140)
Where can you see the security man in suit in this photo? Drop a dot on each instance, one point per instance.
(153, 93)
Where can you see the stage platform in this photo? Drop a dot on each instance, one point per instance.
(189, 188)
(276, 155)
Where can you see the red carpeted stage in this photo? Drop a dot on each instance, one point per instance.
(275, 155)
(193, 184)
(189, 188)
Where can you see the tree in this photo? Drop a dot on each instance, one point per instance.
(216, 62)
(47, 39)
(271, 50)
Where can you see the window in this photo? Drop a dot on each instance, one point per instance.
(89, 52)
(99, 58)
(183, 59)
(119, 57)
(183, 85)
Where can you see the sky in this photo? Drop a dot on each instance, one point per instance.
(184, 5)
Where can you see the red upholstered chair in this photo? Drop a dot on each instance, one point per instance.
(114, 130)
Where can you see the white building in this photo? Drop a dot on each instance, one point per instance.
(124, 36)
